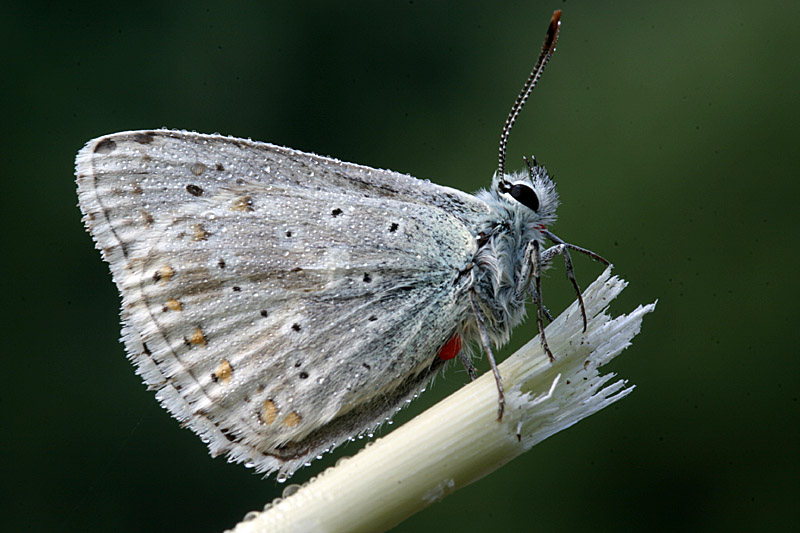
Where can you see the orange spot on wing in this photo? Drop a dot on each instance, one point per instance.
(223, 372)
(244, 203)
(197, 338)
(268, 412)
(291, 420)
(163, 274)
(199, 233)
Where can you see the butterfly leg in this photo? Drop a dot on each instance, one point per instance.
(535, 260)
(524, 282)
(590, 253)
(468, 366)
(546, 312)
(562, 248)
(553, 251)
(487, 346)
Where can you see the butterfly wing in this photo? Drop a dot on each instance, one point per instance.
(278, 302)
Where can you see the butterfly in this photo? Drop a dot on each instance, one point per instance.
(280, 302)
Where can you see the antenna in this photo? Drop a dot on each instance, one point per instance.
(548, 48)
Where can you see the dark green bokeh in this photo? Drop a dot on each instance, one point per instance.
(669, 128)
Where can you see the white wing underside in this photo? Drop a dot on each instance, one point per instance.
(277, 301)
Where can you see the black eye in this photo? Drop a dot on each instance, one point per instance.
(525, 195)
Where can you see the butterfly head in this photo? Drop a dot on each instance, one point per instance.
(532, 195)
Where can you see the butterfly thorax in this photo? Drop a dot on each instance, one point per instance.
(503, 237)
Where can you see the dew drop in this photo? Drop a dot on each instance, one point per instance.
(290, 489)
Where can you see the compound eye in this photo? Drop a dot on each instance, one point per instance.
(525, 195)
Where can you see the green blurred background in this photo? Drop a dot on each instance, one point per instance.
(671, 131)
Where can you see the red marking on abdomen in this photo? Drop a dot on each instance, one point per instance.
(451, 347)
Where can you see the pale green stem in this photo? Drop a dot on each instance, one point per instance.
(459, 440)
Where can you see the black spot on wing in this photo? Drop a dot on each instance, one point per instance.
(143, 137)
(106, 146)
(194, 190)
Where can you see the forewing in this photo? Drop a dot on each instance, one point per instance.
(279, 302)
